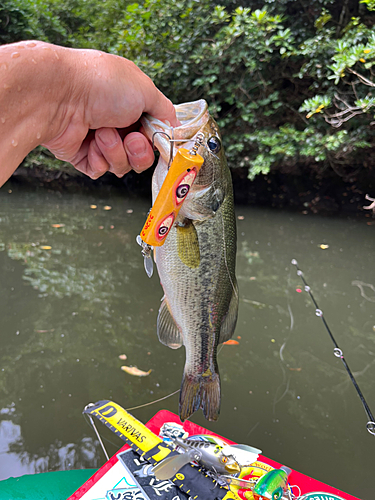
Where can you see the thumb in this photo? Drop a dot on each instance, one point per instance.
(160, 107)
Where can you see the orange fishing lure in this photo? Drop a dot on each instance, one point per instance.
(172, 194)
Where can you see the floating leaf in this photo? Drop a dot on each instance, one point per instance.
(93, 206)
(133, 370)
(107, 207)
(123, 357)
(324, 247)
(231, 342)
(45, 247)
(58, 225)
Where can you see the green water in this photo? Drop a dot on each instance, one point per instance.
(67, 313)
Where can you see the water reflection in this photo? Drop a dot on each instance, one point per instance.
(75, 296)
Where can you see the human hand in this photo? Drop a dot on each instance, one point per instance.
(101, 113)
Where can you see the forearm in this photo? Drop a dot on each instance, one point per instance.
(35, 85)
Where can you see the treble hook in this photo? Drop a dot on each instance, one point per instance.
(171, 141)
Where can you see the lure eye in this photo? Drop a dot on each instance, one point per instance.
(214, 144)
(276, 495)
(224, 460)
(184, 185)
(182, 190)
(164, 227)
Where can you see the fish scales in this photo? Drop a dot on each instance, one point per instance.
(196, 264)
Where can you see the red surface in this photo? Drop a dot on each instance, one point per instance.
(306, 483)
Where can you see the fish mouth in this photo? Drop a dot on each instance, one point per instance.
(192, 116)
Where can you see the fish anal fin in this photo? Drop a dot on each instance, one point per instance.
(230, 319)
(188, 244)
(197, 392)
(168, 332)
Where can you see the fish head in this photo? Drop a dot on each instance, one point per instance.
(193, 116)
(195, 119)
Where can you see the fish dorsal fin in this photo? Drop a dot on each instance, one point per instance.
(171, 465)
(230, 319)
(168, 332)
(188, 245)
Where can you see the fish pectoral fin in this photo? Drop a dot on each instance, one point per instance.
(230, 319)
(188, 244)
(168, 332)
(170, 466)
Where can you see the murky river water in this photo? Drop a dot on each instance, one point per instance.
(74, 296)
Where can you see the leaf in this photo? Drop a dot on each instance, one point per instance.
(136, 372)
(231, 342)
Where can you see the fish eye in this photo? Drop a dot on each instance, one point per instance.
(214, 144)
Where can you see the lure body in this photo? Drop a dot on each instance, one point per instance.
(213, 456)
(272, 485)
(171, 196)
(211, 452)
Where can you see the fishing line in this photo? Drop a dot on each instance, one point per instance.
(97, 434)
(152, 402)
(370, 426)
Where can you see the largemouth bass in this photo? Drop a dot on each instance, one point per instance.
(196, 264)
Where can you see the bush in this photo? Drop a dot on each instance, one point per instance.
(289, 82)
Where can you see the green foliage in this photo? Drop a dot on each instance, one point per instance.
(308, 65)
(15, 22)
(369, 3)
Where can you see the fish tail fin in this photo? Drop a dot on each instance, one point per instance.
(199, 391)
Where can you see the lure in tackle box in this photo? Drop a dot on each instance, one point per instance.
(176, 186)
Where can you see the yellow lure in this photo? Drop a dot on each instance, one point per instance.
(172, 194)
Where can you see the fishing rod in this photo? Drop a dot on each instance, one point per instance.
(370, 426)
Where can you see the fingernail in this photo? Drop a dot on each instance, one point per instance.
(108, 137)
(136, 147)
